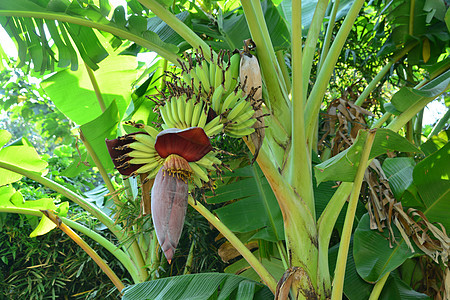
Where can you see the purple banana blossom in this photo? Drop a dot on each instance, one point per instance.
(170, 188)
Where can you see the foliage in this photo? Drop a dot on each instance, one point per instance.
(49, 266)
(341, 110)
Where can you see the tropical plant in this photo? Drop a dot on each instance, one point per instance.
(169, 129)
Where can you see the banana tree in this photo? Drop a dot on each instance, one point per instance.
(269, 94)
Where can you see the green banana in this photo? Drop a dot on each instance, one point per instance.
(181, 107)
(214, 122)
(214, 130)
(230, 101)
(145, 139)
(240, 106)
(217, 98)
(199, 171)
(151, 130)
(244, 115)
(240, 133)
(142, 147)
(232, 73)
(203, 118)
(198, 108)
(188, 112)
(241, 125)
(165, 114)
(148, 167)
(203, 75)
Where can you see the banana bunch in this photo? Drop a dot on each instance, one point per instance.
(202, 167)
(143, 152)
(204, 77)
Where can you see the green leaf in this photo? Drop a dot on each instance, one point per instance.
(255, 193)
(5, 136)
(355, 288)
(435, 143)
(343, 166)
(395, 288)
(192, 287)
(373, 256)
(274, 266)
(6, 193)
(447, 19)
(22, 156)
(73, 93)
(103, 127)
(432, 178)
(406, 97)
(10, 198)
(399, 172)
(75, 28)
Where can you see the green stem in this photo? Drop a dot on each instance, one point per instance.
(325, 226)
(317, 93)
(283, 254)
(155, 257)
(299, 171)
(77, 239)
(372, 85)
(190, 259)
(122, 33)
(341, 262)
(94, 83)
(330, 27)
(440, 125)
(277, 100)
(101, 170)
(138, 259)
(236, 242)
(83, 203)
(384, 118)
(19, 210)
(284, 69)
(113, 249)
(376, 291)
(182, 29)
(311, 40)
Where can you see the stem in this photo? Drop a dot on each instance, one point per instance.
(372, 85)
(234, 240)
(376, 291)
(113, 249)
(182, 29)
(19, 210)
(316, 96)
(284, 69)
(311, 40)
(339, 273)
(330, 27)
(138, 259)
(299, 172)
(325, 226)
(122, 33)
(77, 239)
(190, 259)
(101, 170)
(94, 83)
(83, 203)
(283, 254)
(155, 257)
(440, 125)
(382, 120)
(277, 99)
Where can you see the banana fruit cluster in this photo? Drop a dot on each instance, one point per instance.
(209, 94)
